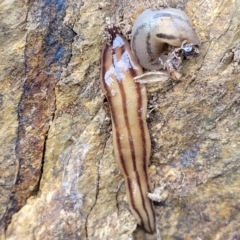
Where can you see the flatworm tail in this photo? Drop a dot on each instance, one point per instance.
(131, 140)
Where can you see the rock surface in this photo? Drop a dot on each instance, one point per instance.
(58, 176)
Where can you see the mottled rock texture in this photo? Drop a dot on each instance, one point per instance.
(58, 176)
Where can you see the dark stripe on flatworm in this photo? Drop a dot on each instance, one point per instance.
(165, 36)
